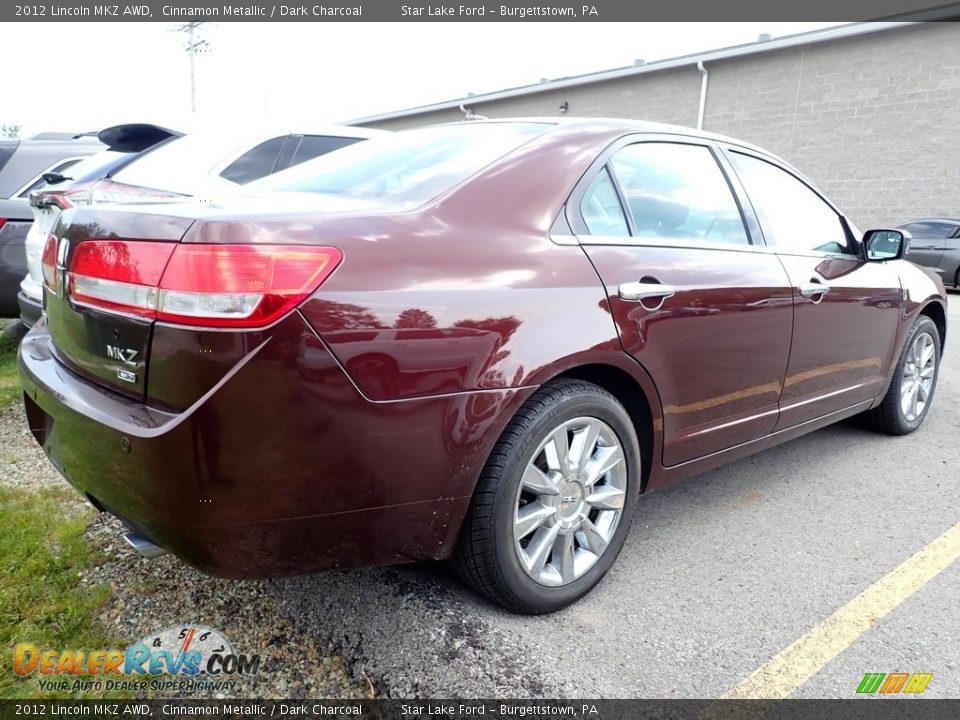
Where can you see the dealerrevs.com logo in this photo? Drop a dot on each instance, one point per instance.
(189, 657)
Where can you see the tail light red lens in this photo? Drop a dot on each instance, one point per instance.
(48, 262)
(206, 285)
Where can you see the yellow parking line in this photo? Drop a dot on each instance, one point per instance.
(784, 673)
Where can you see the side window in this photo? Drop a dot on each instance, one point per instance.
(930, 229)
(601, 209)
(678, 192)
(257, 162)
(316, 145)
(39, 182)
(792, 216)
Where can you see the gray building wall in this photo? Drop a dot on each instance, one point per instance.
(873, 119)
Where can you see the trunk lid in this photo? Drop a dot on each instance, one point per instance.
(109, 348)
(143, 246)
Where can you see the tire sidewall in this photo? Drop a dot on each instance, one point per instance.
(922, 325)
(529, 593)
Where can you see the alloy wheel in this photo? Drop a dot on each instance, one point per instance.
(919, 370)
(570, 501)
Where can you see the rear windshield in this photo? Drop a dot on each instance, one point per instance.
(410, 166)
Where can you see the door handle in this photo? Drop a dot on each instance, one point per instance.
(637, 291)
(814, 287)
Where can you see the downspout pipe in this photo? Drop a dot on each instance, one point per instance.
(705, 78)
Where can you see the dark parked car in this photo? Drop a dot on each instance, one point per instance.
(935, 244)
(482, 340)
(23, 163)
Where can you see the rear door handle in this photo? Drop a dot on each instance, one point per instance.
(814, 287)
(637, 291)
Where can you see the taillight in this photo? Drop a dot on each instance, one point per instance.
(206, 285)
(48, 262)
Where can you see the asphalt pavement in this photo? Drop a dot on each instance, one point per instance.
(718, 576)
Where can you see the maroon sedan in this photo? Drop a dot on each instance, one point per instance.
(481, 341)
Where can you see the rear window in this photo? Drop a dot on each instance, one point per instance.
(312, 146)
(415, 165)
(255, 163)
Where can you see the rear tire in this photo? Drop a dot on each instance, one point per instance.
(554, 502)
(914, 382)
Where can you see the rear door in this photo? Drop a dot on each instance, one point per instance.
(846, 310)
(702, 307)
(928, 242)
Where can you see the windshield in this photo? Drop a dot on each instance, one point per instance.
(412, 166)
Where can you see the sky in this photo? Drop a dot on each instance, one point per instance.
(295, 74)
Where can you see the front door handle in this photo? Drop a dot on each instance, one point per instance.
(814, 287)
(637, 291)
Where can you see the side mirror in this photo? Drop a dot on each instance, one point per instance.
(880, 245)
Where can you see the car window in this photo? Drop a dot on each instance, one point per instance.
(312, 146)
(792, 216)
(412, 166)
(930, 229)
(257, 162)
(40, 182)
(678, 192)
(601, 208)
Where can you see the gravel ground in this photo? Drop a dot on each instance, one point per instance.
(150, 595)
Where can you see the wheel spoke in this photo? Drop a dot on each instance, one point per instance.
(606, 497)
(604, 460)
(539, 482)
(923, 392)
(927, 353)
(583, 445)
(928, 371)
(579, 470)
(564, 553)
(592, 538)
(557, 451)
(539, 549)
(529, 518)
(914, 399)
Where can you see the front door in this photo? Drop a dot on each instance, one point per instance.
(707, 314)
(846, 310)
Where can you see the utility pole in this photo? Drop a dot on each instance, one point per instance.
(194, 43)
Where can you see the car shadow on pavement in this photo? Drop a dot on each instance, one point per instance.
(421, 633)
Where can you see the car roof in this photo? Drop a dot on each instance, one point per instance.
(951, 221)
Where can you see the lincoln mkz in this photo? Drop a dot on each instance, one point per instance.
(479, 342)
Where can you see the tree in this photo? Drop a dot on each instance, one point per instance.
(415, 318)
(10, 131)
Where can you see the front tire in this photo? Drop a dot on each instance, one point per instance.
(910, 394)
(554, 502)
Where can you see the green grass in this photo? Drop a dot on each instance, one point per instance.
(42, 553)
(9, 382)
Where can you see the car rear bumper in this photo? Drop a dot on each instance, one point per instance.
(282, 468)
(30, 309)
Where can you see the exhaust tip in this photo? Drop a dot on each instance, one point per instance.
(144, 547)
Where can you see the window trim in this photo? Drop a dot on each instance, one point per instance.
(574, 217)
(853, 244)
